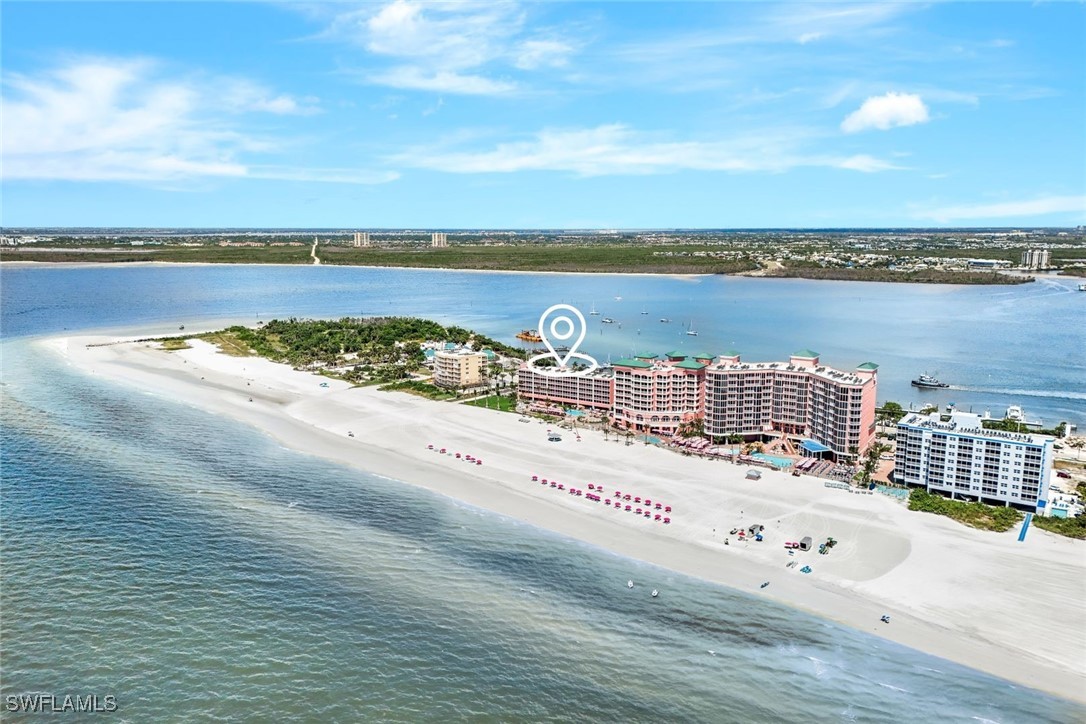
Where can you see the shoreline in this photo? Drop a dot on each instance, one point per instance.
(889, 560)
(676, 275)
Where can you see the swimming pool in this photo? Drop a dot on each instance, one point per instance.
(773, 460)
(574, 413)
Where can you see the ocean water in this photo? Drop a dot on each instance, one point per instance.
(197, 570)
(996, 346)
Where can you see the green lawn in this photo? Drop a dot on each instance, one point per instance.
(495, 402)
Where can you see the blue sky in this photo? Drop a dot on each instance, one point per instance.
(520, 115)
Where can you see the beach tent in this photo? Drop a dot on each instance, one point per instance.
(753, 474)
(805, 543)
(812, 449)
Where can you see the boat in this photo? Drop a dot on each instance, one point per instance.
(644, 311)
(691, 333)
(1082, 287)
(665, 320)
(655, 593)
(607, 320)
(629, 584)
(529, 335)
(928, 381)
(182, 327)
(618, 299)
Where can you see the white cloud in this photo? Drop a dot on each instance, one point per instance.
(809, 38)
(867, 164)
(323, 175)
(241, 95)
(1006, 209)
(108, 119)
(534, 54)
(616, 149)
(449, 47)
(885, 112)
(443, 81)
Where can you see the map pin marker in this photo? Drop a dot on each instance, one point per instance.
(562, 328)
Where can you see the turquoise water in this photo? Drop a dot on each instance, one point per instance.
(574, 413)
(197, 570)
(774, 460)
(900, 493)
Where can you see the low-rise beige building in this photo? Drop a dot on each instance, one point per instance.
(459, 368)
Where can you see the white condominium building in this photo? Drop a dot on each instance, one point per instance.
(959, 458)
(459, 368)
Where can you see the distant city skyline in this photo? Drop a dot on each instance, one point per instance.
(505, 115)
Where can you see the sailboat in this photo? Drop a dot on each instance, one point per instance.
(644, 311)
(593, 311)
(691, 331)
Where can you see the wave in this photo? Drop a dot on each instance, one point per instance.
(1057, 394)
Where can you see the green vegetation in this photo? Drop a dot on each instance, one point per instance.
(693, 428)
(890, 412)
(870, 462)
(171, 253)
(422, 389)
(172, 344)
(606, 258)
(1070, 527)
(229, 342)
(882, 274)
(1012, 426)
(495, 402)
(361, 351)
(974, 515)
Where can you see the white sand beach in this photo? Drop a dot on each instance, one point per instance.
(986, 600)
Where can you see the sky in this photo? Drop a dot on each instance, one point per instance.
(496, 114)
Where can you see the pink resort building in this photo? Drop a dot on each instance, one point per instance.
(818, 410)
(659, 395)
(825, 409)
(594, 391)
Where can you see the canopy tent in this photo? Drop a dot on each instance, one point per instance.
(813, 449)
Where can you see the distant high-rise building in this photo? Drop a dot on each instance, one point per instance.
(438, 239)
(1036, 258)
(361, 238)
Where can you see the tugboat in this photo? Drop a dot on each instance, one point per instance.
(928, 381)
(529, 335)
